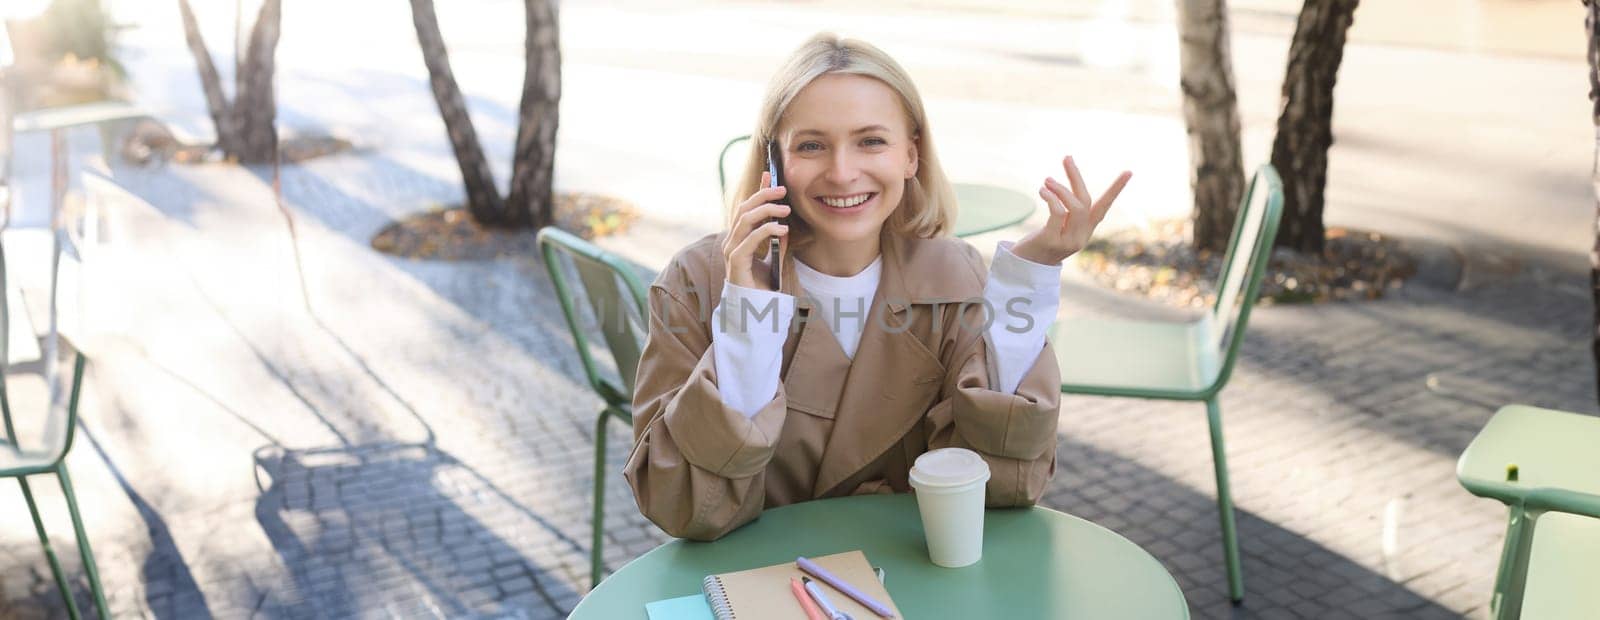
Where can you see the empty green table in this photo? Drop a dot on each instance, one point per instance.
(986, 208)
(1037, 563)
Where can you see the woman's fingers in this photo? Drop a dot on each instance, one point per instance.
(751, 200)
(1052, 203)
(1066, 196)
(1079, 189)
(745, 252)
(1059, 214)
(1104, 204)
(762, 195)
(744, 222)
(755, 216)
(735, 233)
(752, 226)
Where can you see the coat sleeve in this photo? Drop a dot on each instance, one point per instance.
(697, 465)
(1014, 432)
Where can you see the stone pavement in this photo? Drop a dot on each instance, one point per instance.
(338, 433)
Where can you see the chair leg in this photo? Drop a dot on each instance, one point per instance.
(1513, 575)
(49, 553)
(5, 403)
(596, 565)
(84, 552)
(1230, 533)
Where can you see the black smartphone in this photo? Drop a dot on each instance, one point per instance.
(774, 259)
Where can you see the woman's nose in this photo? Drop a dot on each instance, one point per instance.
(842, 169)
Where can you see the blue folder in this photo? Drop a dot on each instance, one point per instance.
(692, 607)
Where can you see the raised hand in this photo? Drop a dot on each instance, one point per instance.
(1074, 214)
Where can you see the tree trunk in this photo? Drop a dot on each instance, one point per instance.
(483, 199)
(254, 104)
(1591, 26)
(533, 160)
(1211, 112)
(1305, 120)
(245, 129)
(216, 102)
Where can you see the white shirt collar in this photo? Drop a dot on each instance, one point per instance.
(860, 284)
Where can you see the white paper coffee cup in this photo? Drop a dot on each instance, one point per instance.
(949, 484)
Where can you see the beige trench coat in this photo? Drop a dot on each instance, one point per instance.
(700, 469)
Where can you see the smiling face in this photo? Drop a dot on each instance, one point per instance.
(847, 152)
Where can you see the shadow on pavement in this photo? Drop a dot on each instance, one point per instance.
(1285, 574)
(399, 529)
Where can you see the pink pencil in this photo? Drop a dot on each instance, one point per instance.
(812, 612)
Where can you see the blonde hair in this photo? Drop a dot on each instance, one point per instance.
(928, 206)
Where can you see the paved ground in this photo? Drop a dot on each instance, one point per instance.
(294, 426)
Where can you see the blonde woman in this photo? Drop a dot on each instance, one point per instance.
(887, 338)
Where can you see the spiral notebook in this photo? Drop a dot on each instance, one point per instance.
(764, 592)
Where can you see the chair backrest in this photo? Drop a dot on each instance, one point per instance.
(54, 436)
(1243, 267)
(616, 302)
(728, 163)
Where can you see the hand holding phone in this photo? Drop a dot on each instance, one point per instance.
(753, 247)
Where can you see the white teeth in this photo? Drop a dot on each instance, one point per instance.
(846, 203)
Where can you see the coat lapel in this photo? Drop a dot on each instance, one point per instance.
(816, 365)
(889, 385)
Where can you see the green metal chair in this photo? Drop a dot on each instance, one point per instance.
(983, 208)
(617, 301)
(1184, 361)
(722, 163)
(20, 459)
(1545, 466)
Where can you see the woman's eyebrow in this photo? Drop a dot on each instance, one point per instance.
(868, 128)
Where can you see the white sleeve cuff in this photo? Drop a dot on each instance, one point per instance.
(747, 345)
(1025, 296)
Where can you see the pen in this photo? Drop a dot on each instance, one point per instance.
(840, 585)
(828, 609)
(812, 613)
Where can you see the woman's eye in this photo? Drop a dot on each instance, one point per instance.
(875, 142)
(808, 146)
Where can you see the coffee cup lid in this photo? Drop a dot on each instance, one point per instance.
(949, 467)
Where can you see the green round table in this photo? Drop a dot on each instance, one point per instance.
(1037, 563)
(986, 208)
